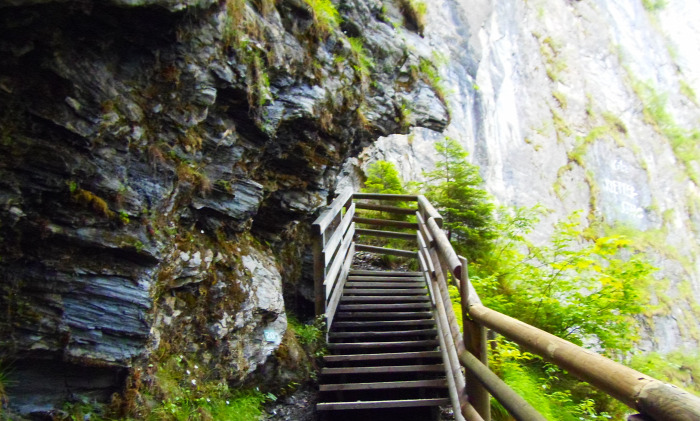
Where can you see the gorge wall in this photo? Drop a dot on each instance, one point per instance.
(579, 105)
(161, 162)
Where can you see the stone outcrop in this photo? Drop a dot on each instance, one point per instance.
(160, 161)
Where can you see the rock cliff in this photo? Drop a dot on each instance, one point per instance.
(580, 105)
(161, 160)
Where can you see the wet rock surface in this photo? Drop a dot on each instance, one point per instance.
(160, 162)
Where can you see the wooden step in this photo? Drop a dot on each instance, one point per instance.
(423, 368)
(382, 298)
(385, 285)
(371, 335)
(387, 307)
(434, 383)
(408, 403)
(385, 279)
(381, 357)
(387, 291)
(385, 315)
(383, 323)
(384, 273)
(398, 344)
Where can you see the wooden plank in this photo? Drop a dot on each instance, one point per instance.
(423, 368)
(380, 196)
(385, 285)
(335, 299)
(321, 223)
(337, 237)
(388, 291)
(386, 234)
(388, 209)
(384, 314)
(386, 223)
(385, 323)
(337, 265)
(385, 273)
(429, 210)
(384, 299)
(409, 403)
(399, 344)
(429, 384)
(384, 250)
(411, 306)
(382, 357)
(395, 279)
(374, 334)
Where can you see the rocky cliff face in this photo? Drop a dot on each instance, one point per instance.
(581, 105)
(160, 162)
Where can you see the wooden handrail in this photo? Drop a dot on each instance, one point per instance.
(379, 196)
(639, 391)
(334, 247)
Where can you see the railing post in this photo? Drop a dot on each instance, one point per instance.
(319, 269)
(475, 343)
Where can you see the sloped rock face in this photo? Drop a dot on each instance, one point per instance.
(149, 148)
(580, 105)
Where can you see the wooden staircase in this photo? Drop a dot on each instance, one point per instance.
(384, 353)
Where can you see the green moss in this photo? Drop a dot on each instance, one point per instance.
(560, 125)
(414, 13)
(551, 53)
(685, 143)
(188, 173)
(688, 92)
(362, 62)
(561, 99)
(91, 200)
(428, 71)
(654, 5)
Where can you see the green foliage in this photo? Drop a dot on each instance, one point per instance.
(654, 5)
(454, 188)
(383, 177)
(185, 393)
(362, 63)
(312, 336)
(543, 385)
(326, 16)
(681, 368)
(585, 292)
(429, 72)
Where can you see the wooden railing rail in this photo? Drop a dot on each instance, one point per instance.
(334, 247)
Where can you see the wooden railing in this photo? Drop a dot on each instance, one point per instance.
(334, 246)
